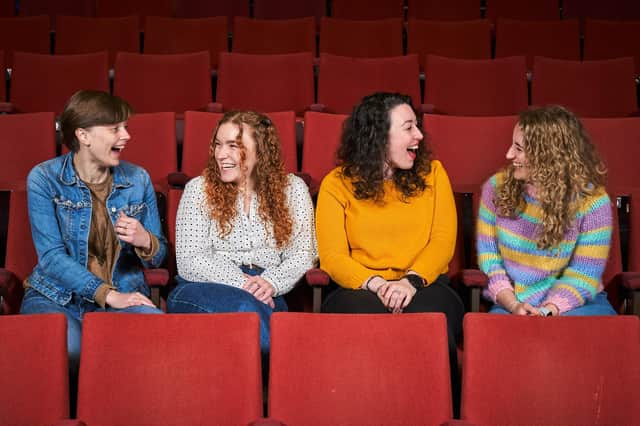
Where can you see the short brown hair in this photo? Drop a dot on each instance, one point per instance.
(88, 108)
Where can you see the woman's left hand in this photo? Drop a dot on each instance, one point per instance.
(396, 295)
(131, 231)
(260, 288)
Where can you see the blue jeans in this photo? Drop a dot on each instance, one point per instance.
(193, 297)
(598, 306)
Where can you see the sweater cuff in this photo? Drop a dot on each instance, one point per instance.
(101, 294)
(495, 286)
(562, 303)
(145, 254)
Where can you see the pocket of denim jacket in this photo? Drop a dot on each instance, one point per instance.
(134, 210)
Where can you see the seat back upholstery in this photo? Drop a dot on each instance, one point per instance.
(266, 82)
(264, 36)
(368, 39)
(359, 369)
(170, 369)
(322, 133)
(157, 83)
(497, 87)
(586, 370)
(33, 367)
(343, 82)
(24, 34)
(45, 82)
(611, 83)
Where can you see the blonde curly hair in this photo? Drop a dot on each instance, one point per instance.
(269, 176)
(564, 168)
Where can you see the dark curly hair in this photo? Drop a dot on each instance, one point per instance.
(269, 175)
(363, 150)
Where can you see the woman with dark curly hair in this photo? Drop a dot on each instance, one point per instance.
(544, 226)
(386, 218)
(245, 229)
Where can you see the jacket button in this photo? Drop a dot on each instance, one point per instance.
(113, 209)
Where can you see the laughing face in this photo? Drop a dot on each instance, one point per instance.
(517, 156)
(404, 138)
(228, 154)
(104, 144)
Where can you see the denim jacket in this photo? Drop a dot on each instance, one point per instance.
(60, 215)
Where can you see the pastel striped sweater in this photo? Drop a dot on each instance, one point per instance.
(567, 275)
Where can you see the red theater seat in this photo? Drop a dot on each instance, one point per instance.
(367, 9)
(170, 369)
(264, 36)
(359, 369)
(475, 87)
(368, 39)
(78, 34)
(612, 39)
(586, 370)
(24, 34)
(452, 10)
(33, 367)
(528, 10)
(603, 88)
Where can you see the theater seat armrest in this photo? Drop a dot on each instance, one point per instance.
(318, 107)
(474, 278)
(214, 107)
(156, 277)
(178, 179)
(11, 292)
(5, 106)
(266, 422)
(316, 277)
(631, 280)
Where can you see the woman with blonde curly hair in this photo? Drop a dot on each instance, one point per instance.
(544, 226)
(245, 229)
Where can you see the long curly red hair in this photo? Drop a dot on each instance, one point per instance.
(268, 174)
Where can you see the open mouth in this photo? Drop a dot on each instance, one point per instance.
(227, 166)
(117, 149)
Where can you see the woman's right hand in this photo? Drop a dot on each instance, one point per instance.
(523, 308)
(118, 300)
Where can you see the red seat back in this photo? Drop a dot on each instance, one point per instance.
(322, 134)
(453, 39)
(28, 34)
(367, 9)
(78, 34)
(476, 87)
(343, 82)
(262, 36)
(170, 369)
(155, 83)
(46, 82)
(586, 370)
(28, 139)
(553, 39)
(165, 35)
(484, 141)
(33, 367)
(612, 39)
(438, 10)
(611, 86)
(266, 82)
(527, 10)
(362, 386)
(368, 39)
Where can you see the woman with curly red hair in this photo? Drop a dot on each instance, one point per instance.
(245, 228)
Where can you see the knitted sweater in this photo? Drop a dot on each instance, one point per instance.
(361, 238)
(567, 275)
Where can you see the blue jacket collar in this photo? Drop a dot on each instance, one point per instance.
(68, 174)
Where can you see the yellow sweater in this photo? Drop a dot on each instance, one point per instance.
(359, 238)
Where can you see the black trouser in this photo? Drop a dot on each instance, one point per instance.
(437, 297)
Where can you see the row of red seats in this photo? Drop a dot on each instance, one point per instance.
(349, 9)
(471, 148)
(379, 38)
(323, 369)
(182, 82)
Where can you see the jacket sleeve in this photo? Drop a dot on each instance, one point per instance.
(48, 240)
